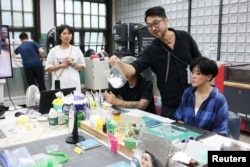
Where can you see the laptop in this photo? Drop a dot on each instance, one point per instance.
(46, 98)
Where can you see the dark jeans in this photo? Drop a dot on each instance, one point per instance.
(34, 76)
(167, 111)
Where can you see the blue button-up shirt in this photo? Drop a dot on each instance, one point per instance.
(212, 114)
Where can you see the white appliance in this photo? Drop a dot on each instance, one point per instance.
(94, 76)
(32, 96)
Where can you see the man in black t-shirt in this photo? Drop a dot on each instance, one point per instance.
(136, 93)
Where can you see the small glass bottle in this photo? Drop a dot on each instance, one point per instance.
(116, 116)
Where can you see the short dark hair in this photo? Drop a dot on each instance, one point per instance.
(206, 66)
(23, 36)
(155, 11)
(60, 30)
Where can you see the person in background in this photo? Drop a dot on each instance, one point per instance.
(149, 160)
(136, 93)
(168, 56)
(202, 105)
(65, 61)
(2, 42)
(32, 58)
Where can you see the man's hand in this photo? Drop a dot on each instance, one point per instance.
(114, 60)
(112, 99)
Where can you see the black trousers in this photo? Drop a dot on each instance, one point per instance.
(35, 76)
(167, 111)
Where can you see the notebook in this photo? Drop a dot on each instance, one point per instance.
(46, 98)
(88, 143)
(151, 122)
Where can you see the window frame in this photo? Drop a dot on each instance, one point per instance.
(32, 30)
(83, 30)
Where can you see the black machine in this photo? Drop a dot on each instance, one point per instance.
(51, 39)
(130, 38)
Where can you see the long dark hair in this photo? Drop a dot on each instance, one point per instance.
(60, 30)
(155, 161)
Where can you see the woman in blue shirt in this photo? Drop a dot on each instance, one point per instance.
(202, 105)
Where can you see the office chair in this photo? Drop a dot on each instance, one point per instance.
(234, 122)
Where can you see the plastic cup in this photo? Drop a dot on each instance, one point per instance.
(166, 129)
(114, 144)
(115, 77)
(99, 123)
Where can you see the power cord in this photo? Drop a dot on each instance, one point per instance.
(7, 84)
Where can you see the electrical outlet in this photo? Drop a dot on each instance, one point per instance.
(212, 47)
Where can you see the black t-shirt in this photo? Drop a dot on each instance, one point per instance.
(142, 90)
(155, 56)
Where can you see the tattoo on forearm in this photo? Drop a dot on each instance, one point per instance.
(134, 104)
(130, 104)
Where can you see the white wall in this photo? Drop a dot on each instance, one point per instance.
(235, 38)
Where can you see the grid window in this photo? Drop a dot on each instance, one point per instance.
(17, 13)
(89, 20)
(20, 16)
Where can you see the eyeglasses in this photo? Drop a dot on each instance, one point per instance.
(154, 24)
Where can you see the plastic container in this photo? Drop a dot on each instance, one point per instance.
(117, 116)
(17, 157)
(166, 129)
(57, 106)
(115, 77)
(52, 147)
(130, 143)
(113, 143)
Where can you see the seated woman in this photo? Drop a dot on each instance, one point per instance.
(136, 93)
(202, 105)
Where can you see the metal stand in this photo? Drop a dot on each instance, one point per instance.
(75, 138)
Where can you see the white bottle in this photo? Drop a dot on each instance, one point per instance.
(53, 117)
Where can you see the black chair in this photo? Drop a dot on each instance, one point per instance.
(234, 122)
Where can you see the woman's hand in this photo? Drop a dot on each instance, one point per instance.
(68, 61)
